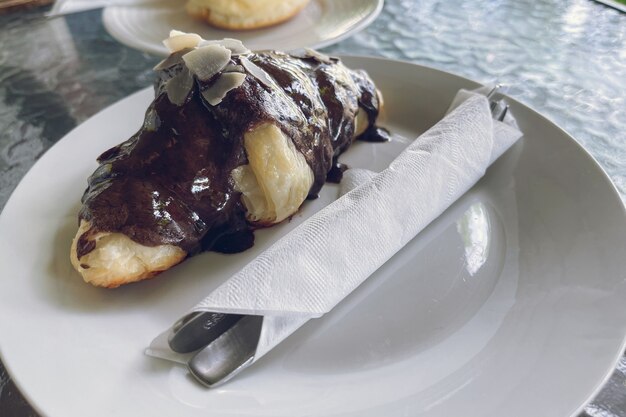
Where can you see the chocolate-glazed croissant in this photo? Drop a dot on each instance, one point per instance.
(233, 141)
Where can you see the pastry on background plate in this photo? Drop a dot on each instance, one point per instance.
(233, 141)
(244, 14)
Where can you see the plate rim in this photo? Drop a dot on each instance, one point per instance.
(113, 30)
(571, 140)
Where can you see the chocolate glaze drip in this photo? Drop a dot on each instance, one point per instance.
(375, 134)
(335, 175)
(170, 183)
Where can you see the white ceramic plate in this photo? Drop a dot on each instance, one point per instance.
(320, 23)
(510, 304)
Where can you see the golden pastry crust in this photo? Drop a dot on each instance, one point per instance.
(244, 14)
(118, 260)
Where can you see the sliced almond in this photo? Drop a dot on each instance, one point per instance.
(234, 68)
(318, 56)
(178, 87)
(257, 72)
(308, 53)
(207, 61)
(226, 82)
(170, 61)
(298, 53)
(181, 41)
(235, 45)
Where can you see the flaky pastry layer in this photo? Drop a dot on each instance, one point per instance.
(118, 260)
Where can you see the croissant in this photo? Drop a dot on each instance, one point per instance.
(233, 141)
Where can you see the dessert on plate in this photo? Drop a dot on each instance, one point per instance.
(244, 14)
(233, 141)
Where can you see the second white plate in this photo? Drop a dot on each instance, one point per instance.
(321, 23)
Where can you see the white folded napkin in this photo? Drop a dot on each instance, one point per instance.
(310, 270)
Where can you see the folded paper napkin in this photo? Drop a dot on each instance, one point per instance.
(310, 270)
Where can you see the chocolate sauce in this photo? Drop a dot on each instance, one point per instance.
(170, 183)
(375, 134)
(335, 175)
